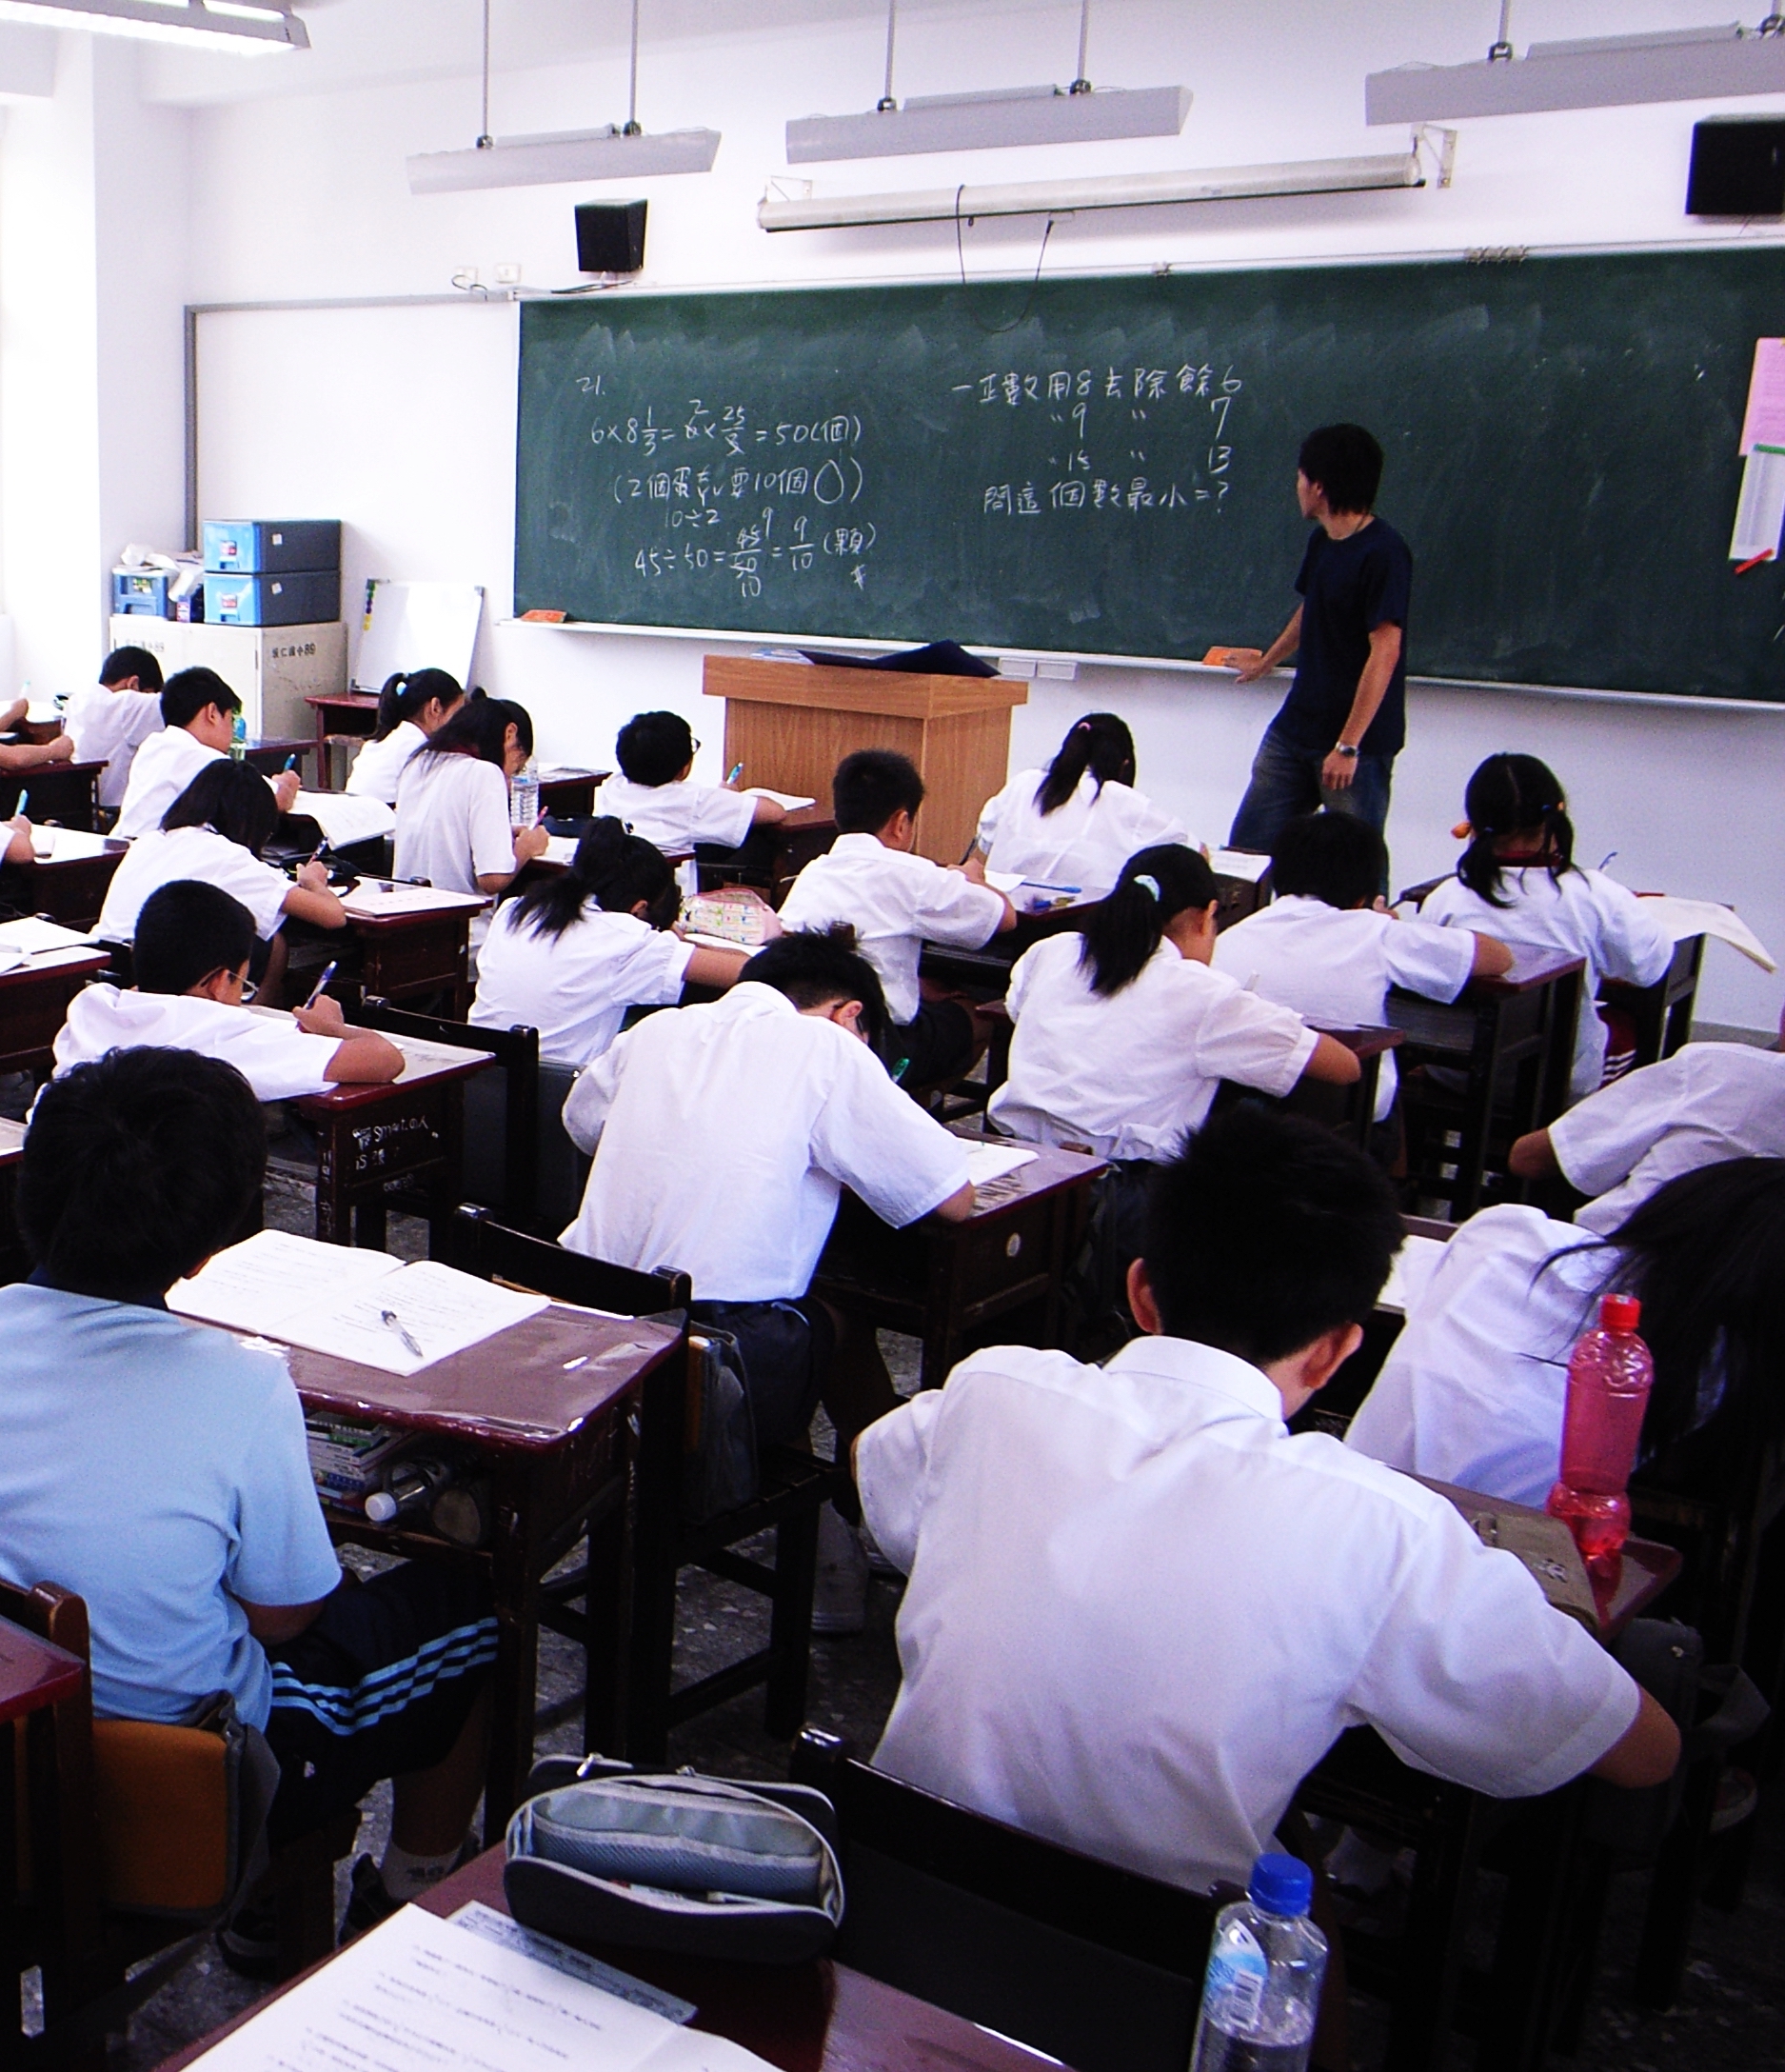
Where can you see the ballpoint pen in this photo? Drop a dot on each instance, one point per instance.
(328, 972)
(737, 771)
(391, 1321)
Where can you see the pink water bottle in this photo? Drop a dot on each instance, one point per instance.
(1609, 1375)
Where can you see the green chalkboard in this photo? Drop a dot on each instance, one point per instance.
(1107, 467)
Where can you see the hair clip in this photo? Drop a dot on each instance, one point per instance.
(1147, 885)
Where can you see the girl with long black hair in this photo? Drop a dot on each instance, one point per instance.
(413, 706)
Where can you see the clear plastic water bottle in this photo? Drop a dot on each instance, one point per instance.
(238, 734)
(1262, 1989)
(524, 797)
(1610, 1374)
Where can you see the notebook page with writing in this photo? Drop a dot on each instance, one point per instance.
(274, 1277)
(410, 1319)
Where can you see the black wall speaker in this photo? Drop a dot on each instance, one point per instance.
(611, 237)
(1737, 168)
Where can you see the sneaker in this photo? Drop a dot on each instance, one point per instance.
(840, 1600)
(248, 1941)
(369, 1903)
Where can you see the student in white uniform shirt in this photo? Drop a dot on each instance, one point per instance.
(570, 954)
(110, 722)
(16, 756)
(655, 797)
(1473, 1390)
(191, 953)
(1326, 946)
(453, 828)
(198, 712)
(1707, 1102)
(1517, 879)
(412, 707)
(1080, 820)
(1140, 1611)
(870, 881)
(214, 832)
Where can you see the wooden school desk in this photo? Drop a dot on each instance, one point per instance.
(817, 2016)
(65, 793)
(14, 1264)
(34, 1004)
(412, 1129)
(945, 1281)
(269, 757)
(569, 794)
(1514, 1035)
(1662, 1012)
(417, 948)
(346, 717)
(68, 886)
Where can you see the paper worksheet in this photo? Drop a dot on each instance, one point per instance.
(561, 848)
(275, 1276)
(1238, 864)
(1003, 881)
(990, 1162)
(347, 816)
(410, 1319)
(375, 896)
(418, 1994)
(32, 938)
(790, 801)
(1684, 917)
(1412, 1267)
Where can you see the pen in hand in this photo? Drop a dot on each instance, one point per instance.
(321, 983)
(291, 761)
(391, 1321)
(737, 771)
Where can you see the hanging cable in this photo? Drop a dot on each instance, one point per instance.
(1082, 84)
(886, 105)
(632, 129)
(484, 140)
(1501, 50)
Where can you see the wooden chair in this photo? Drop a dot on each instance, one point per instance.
(1097, 1966)
(795, 1483)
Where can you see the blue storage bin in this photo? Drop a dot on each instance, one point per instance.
(270, 546)
(140, 592)
(307, 598)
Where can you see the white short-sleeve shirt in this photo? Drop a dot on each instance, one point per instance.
(379, 764)
(895, 902)
(453, 827)
(1473, 1390)
(676, 816)
(1707, 1102)
(1132, 1073)
(161, 857)
(575, 987)
(109, 727)
(1084, 842)
(724, 1135)
(276, 1058)
(1140, 1612)
(1582, 913)
(162, 767)
(1335, 966)
(158, 1468)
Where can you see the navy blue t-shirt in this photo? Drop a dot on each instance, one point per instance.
(1348, 588)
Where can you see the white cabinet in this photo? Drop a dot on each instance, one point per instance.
(271, 669)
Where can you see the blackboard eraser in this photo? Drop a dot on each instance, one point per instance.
(1231, 658)
(544, 618)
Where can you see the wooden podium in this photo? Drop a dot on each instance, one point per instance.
(790, 723)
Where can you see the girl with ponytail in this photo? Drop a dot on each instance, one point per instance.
(1123, 1031)
(1078, 821)
(572, 952)
(1517, 879)
(412, 705)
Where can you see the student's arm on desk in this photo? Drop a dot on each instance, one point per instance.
(529, 842)
(717, 968)
(33, 755)
(1648, 1754)
(974, 871)
(1532, 1157)
(1333, 1063)
(766, 812)
(18, 840)
(311, 900)
(1493, 958)
(958, 1205)
(362, 1056)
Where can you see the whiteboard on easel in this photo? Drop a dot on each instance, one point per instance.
(417, 625)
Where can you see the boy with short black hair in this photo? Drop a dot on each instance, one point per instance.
(655, 797)
(1327, 947)
(870, 881)
(159, 1469)
(191, 953)
(111, 719)
(1140, 1611)
(198, 712)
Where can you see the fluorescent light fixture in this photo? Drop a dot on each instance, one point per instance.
(1116, 191)
(1597, 71)
(202, 25)
(571, 154)
(980, 122)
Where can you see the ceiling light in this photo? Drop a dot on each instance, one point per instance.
(1116, 191)
(201, 24)
(978, 122)
(609, 153)
(1595, 71)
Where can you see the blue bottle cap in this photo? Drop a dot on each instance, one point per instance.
(1281, 1885)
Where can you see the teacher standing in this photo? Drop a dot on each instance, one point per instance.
(1335, 740)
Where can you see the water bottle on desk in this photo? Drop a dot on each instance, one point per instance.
(238, 734)
(1610, 1373)
(1262, 1989)
(524, 797)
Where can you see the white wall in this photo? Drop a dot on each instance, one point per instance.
(402, 422)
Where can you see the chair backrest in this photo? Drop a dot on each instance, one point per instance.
(1099, 1966)
(476, 1242)
(501, 1168)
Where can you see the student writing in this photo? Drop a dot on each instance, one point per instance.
(869, 881)
(1518, 878)
(1473, 1390)
(108, 722)
(656, 796)
(1140, 1611)
(570, 954)
(191, 954)
(412, 707)
(1325, 947)
(1080, 820)
(23, 755)
(198, 709)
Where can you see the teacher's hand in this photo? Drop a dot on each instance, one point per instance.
(1337, 770)
(1249, 673)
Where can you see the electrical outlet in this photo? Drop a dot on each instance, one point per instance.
(508, 273)
(465, 275)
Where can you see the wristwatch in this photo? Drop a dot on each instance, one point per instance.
(1345, 748)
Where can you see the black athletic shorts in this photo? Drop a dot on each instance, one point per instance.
(786, 1350)
(936, 1047)
(380, 1686)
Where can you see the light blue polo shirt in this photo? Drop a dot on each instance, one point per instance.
(158, 1468)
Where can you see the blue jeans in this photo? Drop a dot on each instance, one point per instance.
(1286, 781)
